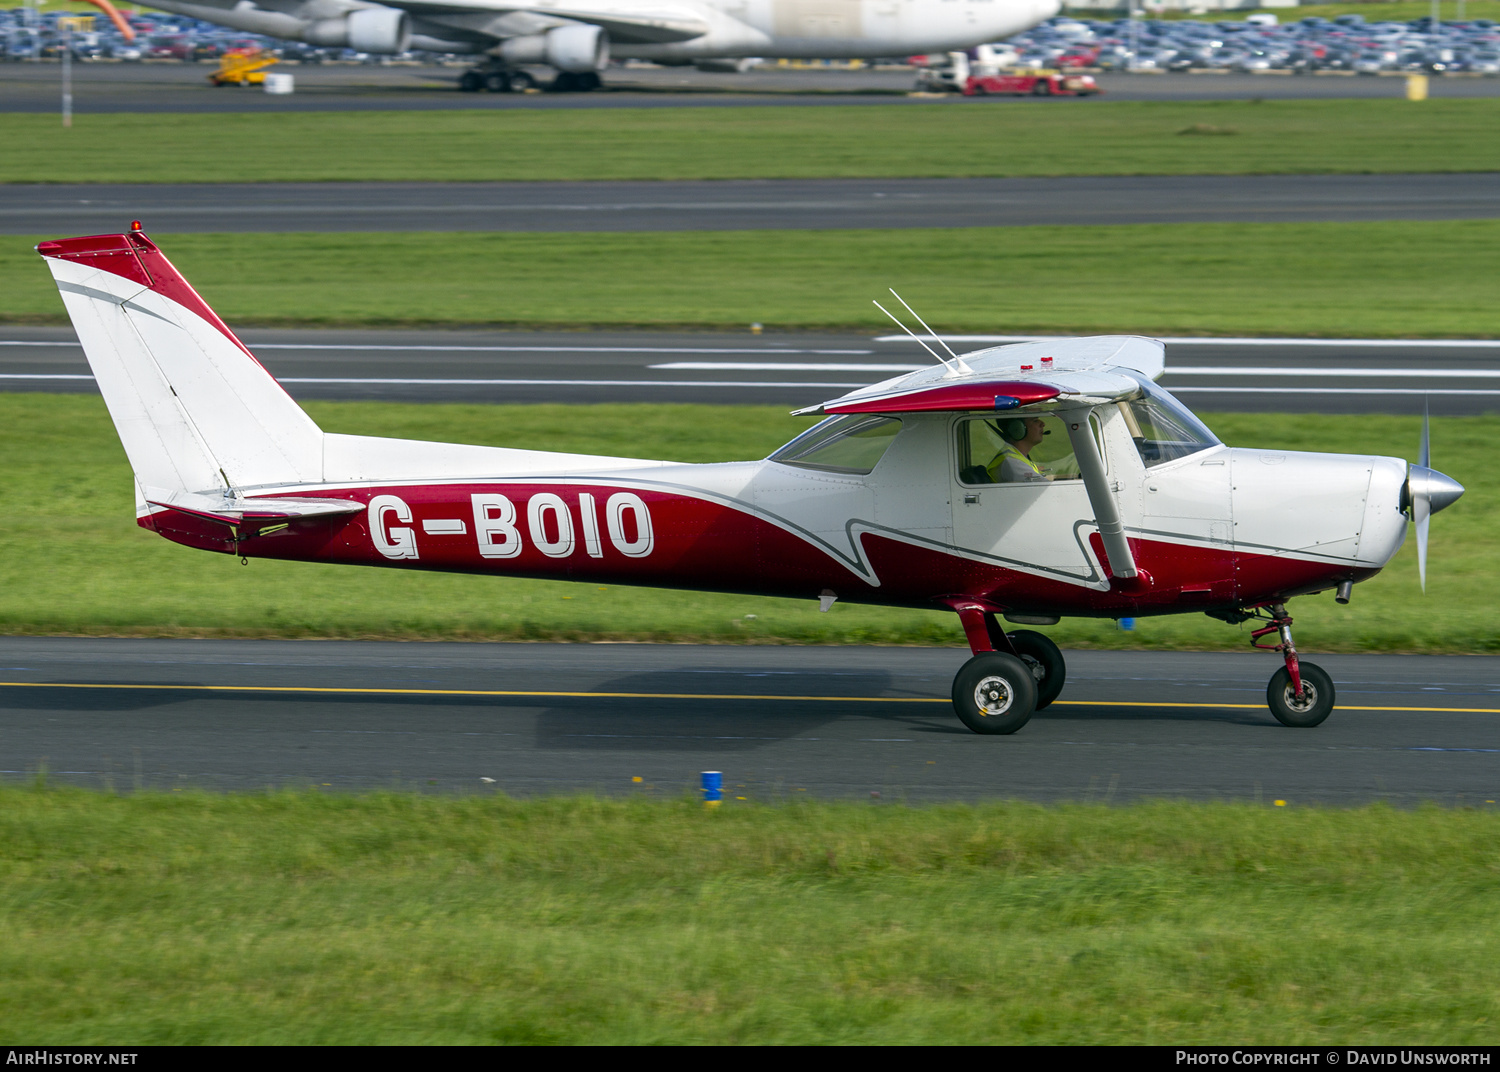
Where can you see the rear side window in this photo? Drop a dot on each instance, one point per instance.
(853, 443)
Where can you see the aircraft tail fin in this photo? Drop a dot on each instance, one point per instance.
(196, 412)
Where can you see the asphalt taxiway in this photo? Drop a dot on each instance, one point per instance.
(106, 88)
(1251, 375)
(863, 723)
(736, 205)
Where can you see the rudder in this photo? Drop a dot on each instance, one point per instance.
(192, 405)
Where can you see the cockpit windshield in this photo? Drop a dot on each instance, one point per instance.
(1163, 428)
(850, 444)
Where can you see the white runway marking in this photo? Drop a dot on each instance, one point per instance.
(783, 366)
(1357, 373)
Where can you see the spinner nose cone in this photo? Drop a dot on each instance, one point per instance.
(1441, 490)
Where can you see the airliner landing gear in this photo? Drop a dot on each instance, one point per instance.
(1300, 694)
(1010, 677)
(495, 78)
(568, 82)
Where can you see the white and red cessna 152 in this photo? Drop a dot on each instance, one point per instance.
(914, 492)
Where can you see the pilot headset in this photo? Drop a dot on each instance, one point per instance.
(1012, 428)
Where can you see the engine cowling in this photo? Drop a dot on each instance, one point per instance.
(576, 49)
(381, 30)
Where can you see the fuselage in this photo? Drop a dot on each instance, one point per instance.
(859, 29)
(1219, 529)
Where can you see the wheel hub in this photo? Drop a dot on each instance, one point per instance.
(1306, 702)
(993, 695)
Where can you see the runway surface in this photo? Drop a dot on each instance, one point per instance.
(832, 722)
(103, 88)
(742, 205)
(1250, 375)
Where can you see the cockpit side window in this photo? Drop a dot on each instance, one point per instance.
(853, 443)
(988, 451)
(1162, 428)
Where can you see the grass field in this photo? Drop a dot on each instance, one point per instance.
(1009, 137)
(72, 561)
(402, 919)
(1419, 279)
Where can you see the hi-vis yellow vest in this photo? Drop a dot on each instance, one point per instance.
(1012, 453)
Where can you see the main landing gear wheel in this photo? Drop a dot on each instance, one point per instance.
(994, 693)
(1312, 707)
(470, 82)
(1046, 662)
(520, 82)
(570, 82)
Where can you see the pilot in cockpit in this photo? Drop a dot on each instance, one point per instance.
(1013, 464)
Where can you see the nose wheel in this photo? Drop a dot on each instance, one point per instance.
(1300, 693)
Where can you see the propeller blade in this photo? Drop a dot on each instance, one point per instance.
(1424, 458)
(1421, 514)
(1421, 496)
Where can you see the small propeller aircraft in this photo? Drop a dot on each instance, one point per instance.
(1023, 482)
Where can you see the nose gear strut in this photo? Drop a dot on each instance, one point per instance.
(1281, 624)
(1300, 694)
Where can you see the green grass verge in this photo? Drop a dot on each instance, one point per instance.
(1421, 279)
(74, 562)
(403, 919)
(1096, 137)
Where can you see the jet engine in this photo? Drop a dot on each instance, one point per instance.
(575, 49)
(375, 29)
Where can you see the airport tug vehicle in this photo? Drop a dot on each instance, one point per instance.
(1022, 482)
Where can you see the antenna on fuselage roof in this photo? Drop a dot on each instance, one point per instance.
(957, 368)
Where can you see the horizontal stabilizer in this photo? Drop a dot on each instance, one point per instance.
(238, 510)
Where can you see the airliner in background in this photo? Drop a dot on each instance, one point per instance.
(577, 37)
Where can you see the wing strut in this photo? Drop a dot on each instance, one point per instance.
(1106, 514)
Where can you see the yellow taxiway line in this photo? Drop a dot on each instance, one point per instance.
(541, 694)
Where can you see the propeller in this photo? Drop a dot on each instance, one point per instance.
(1426, 492)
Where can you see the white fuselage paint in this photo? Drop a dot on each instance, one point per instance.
(823, 29)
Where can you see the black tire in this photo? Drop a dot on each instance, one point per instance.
(1046, 662)
(470, 82)
(520, 82)
(994, 693)
(1042, 88)
(497, 82)
(1313, 708)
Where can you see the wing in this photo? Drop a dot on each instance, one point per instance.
(626, 23)
(1087, 371)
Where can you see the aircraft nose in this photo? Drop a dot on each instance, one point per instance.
(1442, 490)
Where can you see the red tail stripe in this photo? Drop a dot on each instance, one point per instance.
(135, 257)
